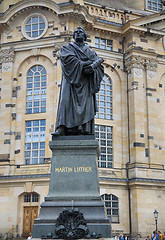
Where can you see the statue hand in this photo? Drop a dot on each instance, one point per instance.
(88, 70)
(87, 63)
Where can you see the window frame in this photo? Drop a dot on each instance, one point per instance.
(106, 99)
(108, 205)
(107, 44)
(156, 7)
(105, 159)
(24, 23)
(34, 149)
(29, 197)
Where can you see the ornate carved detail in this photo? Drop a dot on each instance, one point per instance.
(56, 52)
(134, 62)
(35, 51)
(6, 55)
(151, 64)
(71, 225)
(139, 63)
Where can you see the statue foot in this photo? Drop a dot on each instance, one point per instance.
(59, 132)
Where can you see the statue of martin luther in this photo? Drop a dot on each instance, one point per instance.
(82, 72)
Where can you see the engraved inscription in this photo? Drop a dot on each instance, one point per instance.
(74, 169)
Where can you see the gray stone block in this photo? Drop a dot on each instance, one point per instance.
(73, 185)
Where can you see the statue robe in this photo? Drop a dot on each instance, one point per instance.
(77, 102)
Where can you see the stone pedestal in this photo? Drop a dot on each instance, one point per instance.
(73, 185)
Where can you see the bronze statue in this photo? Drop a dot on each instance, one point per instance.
(82, 72)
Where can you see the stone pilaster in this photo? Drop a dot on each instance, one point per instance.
(7, 106)
(136, 95)
(153, 111)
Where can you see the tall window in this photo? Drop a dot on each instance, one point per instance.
(111, 205)
(155, 5)
(103, 43)
(104, 99)
(36, 90)
(104, 135)
(35, 141)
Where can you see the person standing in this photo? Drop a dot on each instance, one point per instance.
(117, 237)
(157, 234)
(148, 238)
(164, 236)
(155, 237)
(126, 237)
(121, 237)
(160, 235)
(30, 237)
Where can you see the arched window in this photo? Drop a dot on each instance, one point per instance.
(36, 90)
(104, 99)
(111, 205)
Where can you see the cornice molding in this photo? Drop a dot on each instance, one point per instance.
(144, 180)
(130, 28)
(6, 55)
(147, 180)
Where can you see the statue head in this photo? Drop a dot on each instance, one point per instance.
(79, 35)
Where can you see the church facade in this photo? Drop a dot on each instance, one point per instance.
(130, 37)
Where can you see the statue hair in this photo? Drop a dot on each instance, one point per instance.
(85, 35)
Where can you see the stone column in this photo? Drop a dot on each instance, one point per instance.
(7, 59)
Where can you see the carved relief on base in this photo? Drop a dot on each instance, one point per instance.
(71, 225)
